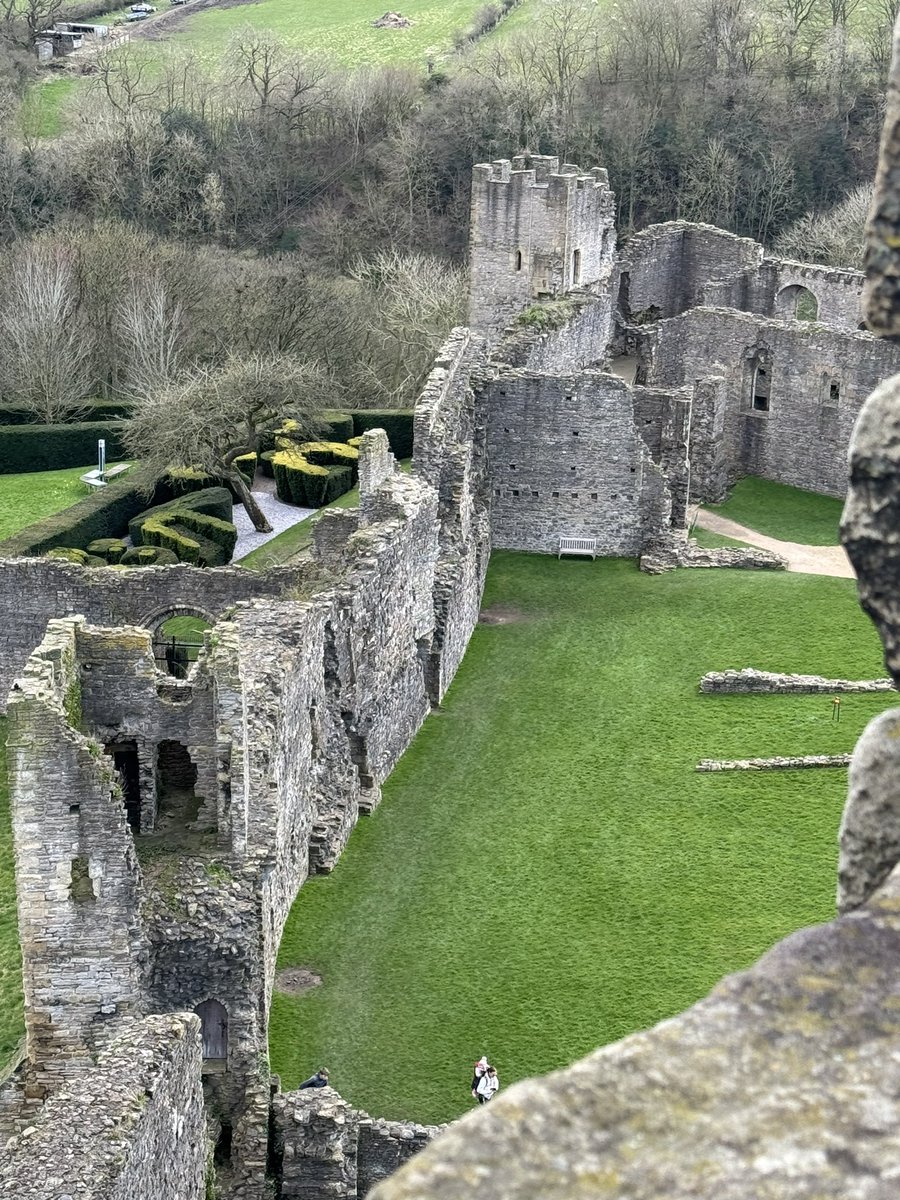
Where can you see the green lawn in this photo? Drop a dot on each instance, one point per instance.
(27, 498)
(12, 1021)
(713, 541)
(547, 872)
(783, 512)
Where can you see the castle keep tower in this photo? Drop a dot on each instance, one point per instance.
(537, 230)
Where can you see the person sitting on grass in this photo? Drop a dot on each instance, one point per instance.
(487, 1085)
(320, 1079)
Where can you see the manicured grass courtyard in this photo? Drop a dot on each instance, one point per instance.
(28, 498)
(547, 872)
(788, 513)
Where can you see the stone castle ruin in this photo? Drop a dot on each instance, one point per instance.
(163, 826)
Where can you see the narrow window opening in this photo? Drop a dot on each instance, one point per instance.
(222, 1152)
(555, 495)
(515, 492)
(834, 392)
(74, 808)
(593, 495)
(125, 758)
(576, 266)
(761, 385)
(518, 260)
(81, 887)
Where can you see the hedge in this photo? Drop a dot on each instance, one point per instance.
(72, 555)
(331, 454)
(397, 423)
(109, 549)
(148, 556)
(26, 448)
(298, 481)
(246, 465)
(105, 513)
(223, 533)
(169, 531)
(339, 426)
(213, 501)
(93, 410)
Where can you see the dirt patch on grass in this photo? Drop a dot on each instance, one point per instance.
(501, 614)
(294, 981)
(157, 29)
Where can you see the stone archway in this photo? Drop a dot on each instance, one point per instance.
(797, 303)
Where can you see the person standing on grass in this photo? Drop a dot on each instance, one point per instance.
(487, 1085)
(480, 1067)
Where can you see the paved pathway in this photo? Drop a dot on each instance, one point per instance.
(281, 516)
(808, 560)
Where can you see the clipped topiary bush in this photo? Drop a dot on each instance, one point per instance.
(246, 465)
(149, 556)
(109, 549)
(191, 536)
(355, 442)
(339, 425)
(397, 423)
(80, 557)
(213, 501)
(299, 481)
(332, 454)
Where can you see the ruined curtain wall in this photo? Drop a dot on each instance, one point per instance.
(134, 1128)
(802, 439)
(34, 591)
(566, 460)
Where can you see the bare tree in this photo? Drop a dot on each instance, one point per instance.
(151, 329)
(44, 348)
(835, 238)
(22, 20)
(213, 415)
(412, 301)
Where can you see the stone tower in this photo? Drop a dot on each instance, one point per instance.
(538, 230)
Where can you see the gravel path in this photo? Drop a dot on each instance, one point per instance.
(280, 516)
(808, 560)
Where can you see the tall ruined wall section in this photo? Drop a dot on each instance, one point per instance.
(537, 229)
(567, 460)
(819, 380)
(34, 591)
(77, 878)
(134, 1128)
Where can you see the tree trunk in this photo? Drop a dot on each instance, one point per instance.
(254, 512)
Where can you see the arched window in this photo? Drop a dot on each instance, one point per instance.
(214, 1030)
(797, 303)
(576, 266)
(518, 260)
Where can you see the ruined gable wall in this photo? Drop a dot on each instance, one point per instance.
(668, 268)
(566, 461)
(803, 438)
(34, 591)
(133, 1128)
(578, 337)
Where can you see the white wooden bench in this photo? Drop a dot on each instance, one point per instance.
(99, 479)
(584, 547)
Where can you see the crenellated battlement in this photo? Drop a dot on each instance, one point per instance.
(538, 230)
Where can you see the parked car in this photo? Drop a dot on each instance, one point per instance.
(142, 9)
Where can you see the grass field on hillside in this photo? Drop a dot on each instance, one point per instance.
(783, 512)
(28, 498)
(547, 872)
(12, 1026)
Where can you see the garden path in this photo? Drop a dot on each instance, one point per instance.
(280, 516)
(809, 560)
